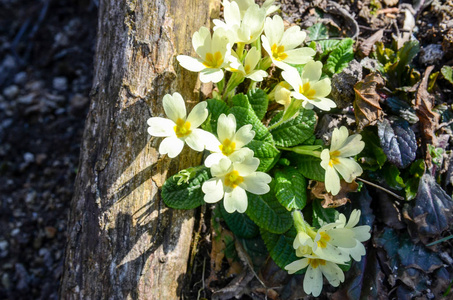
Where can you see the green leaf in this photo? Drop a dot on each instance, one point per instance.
(295, 131)
(185, 195)
(280, 246)
(340, 57)
(259, 101)
(392, 176)
(309, 166)
(328, 45)
(447, 71)
(240, 224)
(416, 171)
(216, 108)
(290, 188)
(266, 152)
(372, 156)
(322, 216)
(247, 116)
(317, 32)
(241, 100)
(268, 213)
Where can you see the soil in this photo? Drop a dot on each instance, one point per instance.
(46, 70)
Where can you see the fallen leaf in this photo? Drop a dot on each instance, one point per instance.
(429, 120)
(367, 45)
(330, 201)
(433, 210)
(367, 109)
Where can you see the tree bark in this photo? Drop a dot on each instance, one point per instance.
(122, 241)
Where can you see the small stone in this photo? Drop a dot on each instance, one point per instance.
(31, 196)
(6, 282)
(60, 84)
(35, 86)
(40, 158)
(431, 55)
(27, 99)
(4, 245)
(29, 157)
(11, 91)
(343, 84)
(20, 78)
(15, 231)
(50, 232)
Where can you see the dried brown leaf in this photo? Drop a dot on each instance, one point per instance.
(366, 105)
(391, 2)
(319, 191)
(429, 120)
(367, 45)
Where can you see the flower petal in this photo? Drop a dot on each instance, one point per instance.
(213, 158)
(222, 168)
(198, 115)
(257, 183)
(352, 146)
(333, 273)
(348, 168)
(362, 233)
(273, 29)
(322, 88)
(236, 200)
(211, 75)
(201, 42)
(299, 55)
(174, 107)
(291, 75)
(322, 103)
(247, 165)
(226, 127)
(332, 181)
(161, 127)
(293, 37)
(190, 63)
(297, 265)
(257, 75)
(313, 281)
(171, 145)
(197, 139)
(213, 190)
(243, 136)
(312, 71)
(339, 137)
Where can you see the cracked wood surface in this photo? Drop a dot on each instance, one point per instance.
(123, 243)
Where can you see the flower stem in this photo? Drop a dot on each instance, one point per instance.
(305, 150)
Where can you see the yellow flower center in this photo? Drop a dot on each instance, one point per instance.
(322, 243)
(213, 61)
(182, 128)
(278, 52)
(233, 179)
(306, 90)
(333, 158)
(247, 69)
(314, 262)
(227, 147)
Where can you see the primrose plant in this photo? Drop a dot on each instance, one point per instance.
(258, 133)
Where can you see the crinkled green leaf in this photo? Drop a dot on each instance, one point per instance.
(241, 100)
(309, 166)
(280, 246)
(317, 31)
(256, 250)
(268, 213)
(340, 57)
(392, 177)
(290, 188)
(240, 224)
(416, 171)
(323, 216)
(447, 71)
(186, 195)
(247, 116)
(259, 101)
(216, 108)
(295, 131)
(266, 152)
(398, 142)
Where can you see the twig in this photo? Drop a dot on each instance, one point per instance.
(202, 279)
(381, 188)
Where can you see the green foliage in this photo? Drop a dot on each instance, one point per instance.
(392, 176)
(290, 188)
(186, 195)
(340, 57)
(322, 216)
(266, 152)
(240, 224)
(317, 32)
(246, 116)
(372, 156)
(295, 131)
(416, 171)
(309, 166)
(268, 213)
(259, 101)
(216, 108)
(280, 246)
(447, 72)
